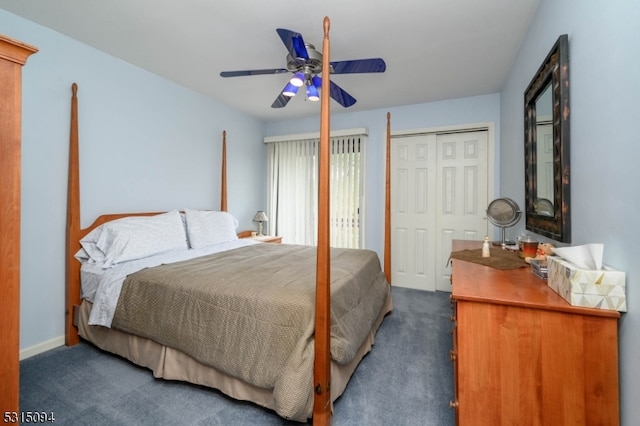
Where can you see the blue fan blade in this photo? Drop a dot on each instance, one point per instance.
(358, 66)
(340, 96)
(336, 92)
(294, 43)
(282, 100)
(252, 72)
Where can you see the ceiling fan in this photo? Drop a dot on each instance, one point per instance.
(305, 62)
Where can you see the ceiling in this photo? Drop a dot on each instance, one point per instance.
(434, 49)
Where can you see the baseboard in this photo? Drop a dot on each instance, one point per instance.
(41, 347)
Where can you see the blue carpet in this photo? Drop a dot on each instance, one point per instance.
(407, 379)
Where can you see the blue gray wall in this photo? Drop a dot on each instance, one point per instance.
(604, 59)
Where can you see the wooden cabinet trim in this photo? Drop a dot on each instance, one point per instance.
(13, 54)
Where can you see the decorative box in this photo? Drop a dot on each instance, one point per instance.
(602, 289)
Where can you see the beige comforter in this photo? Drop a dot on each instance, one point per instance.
(250, 313)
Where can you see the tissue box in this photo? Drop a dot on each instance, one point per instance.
(602, 289)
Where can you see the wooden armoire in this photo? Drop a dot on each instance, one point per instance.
(13, 55)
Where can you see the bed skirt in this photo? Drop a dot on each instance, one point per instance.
(171, 364)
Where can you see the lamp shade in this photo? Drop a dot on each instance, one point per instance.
(312, 93)
(297, 79)
(260, 217)
(290, 90)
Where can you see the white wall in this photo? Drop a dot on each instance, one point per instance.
(604, 60)
(146, 144)
(477, 109)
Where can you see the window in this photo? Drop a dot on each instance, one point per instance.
(293, 188)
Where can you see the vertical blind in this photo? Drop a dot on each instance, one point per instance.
(293, 189)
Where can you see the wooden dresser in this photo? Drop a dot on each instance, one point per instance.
(524, 356)
(13, 55)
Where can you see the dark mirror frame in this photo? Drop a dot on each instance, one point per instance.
(554, 71)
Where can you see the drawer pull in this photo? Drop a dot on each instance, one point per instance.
(453, 404)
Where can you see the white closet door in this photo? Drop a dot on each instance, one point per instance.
(439, 193)
(461, 194)
(413, 165)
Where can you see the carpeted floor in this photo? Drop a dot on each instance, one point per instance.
(407, 379)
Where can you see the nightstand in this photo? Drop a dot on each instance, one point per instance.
(264, 238)
(268, 239)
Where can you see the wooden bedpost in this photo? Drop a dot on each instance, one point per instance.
(73, 226)
(322, 360)
(387, 205)
(223, 189)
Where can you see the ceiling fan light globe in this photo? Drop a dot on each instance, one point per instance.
(290, 90)
(297, 79)
(312, 93)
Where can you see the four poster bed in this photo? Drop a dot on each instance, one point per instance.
(180, 294)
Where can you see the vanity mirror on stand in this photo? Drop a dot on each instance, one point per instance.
(546, 146)
(503, 213)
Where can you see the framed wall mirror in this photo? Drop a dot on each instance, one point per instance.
(546, 146)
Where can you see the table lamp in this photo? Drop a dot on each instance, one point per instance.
(260, 217)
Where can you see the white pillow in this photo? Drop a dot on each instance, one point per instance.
(89, 248)
(83, 256)
(135, 237)
(205, 227)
